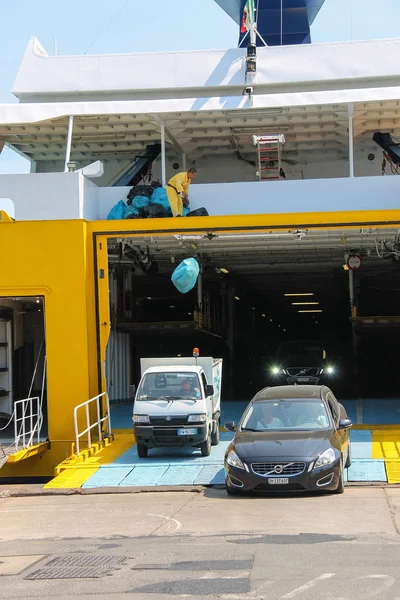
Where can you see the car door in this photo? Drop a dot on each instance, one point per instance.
(341, 435)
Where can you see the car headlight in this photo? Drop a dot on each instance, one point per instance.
(141, 419)
(233, 460)
(330, 370)
(275, 370)
(325, 458)
(197, 418)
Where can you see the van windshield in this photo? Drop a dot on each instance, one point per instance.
(169, 386)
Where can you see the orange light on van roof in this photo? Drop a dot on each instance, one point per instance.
(196, 352)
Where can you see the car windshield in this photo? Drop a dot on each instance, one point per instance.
(300, 353)
(169, 386)
(285, 414)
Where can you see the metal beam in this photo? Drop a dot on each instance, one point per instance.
(69, 142)
(170, 135)
(351, 139)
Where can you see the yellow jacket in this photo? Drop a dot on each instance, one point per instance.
(180, 182)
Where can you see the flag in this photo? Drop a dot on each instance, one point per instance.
(248, 16)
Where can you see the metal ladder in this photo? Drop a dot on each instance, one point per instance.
(269, 149)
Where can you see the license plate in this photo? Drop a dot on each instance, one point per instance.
(278, 481)
(303, 379)
(187, 431)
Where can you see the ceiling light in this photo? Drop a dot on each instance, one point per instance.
(253, 112)
(310, 311)
(172, 306)
(148, 297)
(237, 298)
(224, 271)
(304, 294)
(263, 315)
(304, 303)
(267, 129)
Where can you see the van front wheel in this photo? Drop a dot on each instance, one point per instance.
(206, 446)
(215, 435)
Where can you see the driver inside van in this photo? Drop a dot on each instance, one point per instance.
(188, 391)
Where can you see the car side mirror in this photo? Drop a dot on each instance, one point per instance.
(345, 424)
(210, 390)
(230, 426)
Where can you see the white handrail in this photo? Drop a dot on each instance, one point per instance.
(89, 426)
(27, 422)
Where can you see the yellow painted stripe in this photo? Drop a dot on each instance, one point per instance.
(393, 471)
(380, 427)
(72, 478)
(386, 444)
(319, 220)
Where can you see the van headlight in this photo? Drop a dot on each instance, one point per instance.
(233, 460)
(197, 418)
(141, 419)
(325, 458)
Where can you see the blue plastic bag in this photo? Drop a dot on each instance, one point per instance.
(159, 196)
(140, 202)
(185, 275)
(131, 212)
(117, 211)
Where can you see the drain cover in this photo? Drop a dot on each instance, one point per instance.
(78, 567)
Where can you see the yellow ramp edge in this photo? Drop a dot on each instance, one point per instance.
(386, 444)
(74, 474)
(393, 471)
(73, 478)
(28, 452)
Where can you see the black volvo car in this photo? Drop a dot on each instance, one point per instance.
(290, 438)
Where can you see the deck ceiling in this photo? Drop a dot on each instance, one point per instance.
(275, 260)
(312, 133)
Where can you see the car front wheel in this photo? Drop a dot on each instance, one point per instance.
(340, 487)
(142, 451)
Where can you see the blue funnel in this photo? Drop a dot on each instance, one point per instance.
(286, 27)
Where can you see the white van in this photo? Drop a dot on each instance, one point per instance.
(178, 403)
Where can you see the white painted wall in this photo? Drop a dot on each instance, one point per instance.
(72, 196)
(326, 195)
(38, 196)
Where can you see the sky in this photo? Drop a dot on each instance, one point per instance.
(155, 25)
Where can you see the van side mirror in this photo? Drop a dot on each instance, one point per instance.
(345, 424)
(209, 390)
(230, 426)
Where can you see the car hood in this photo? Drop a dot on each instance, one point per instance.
(288, 445)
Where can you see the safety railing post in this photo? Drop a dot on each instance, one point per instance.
(98, 418)
(88, 426)
(76, 430)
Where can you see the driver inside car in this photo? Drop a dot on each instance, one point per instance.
(313, 416)
(266, 420)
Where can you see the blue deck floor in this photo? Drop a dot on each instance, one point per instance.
(172, 467)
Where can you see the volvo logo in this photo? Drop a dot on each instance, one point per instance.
(168, 418)
(278, 469)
